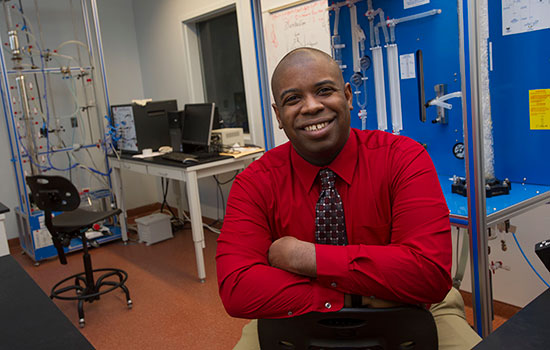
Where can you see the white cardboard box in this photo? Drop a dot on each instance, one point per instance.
(154, 228)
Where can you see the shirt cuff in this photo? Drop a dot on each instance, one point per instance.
(326, 299)
(332, 263)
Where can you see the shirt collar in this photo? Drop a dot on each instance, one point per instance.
(343, 165)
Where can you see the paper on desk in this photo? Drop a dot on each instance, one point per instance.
(142, 102)
(237, 152)
(141, 156)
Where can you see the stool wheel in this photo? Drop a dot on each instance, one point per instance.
(129, 303)
(81, 323)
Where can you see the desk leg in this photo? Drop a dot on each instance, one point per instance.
(179, 199)
(196, 221)
(117, 183)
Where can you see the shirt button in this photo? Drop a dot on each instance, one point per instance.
(328, 306)
(333, 284)
(290, 313)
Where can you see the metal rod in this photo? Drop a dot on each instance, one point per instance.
(82, 80)
(476, 180)
(100, 54)
(267, 117)
(105, 89)
(518, 208)
(47, 70)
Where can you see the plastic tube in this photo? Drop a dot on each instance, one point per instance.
(379, 87)
(384, 26)
(394, 21)
(395, 88)
(413, 17)
(354, 38)
(363, 116)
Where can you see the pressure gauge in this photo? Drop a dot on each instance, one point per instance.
(458, 150)
(357, 79)
(365, 62)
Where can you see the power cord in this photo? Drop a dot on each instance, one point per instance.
(526, 259)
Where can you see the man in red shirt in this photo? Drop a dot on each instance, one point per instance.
(396, 223)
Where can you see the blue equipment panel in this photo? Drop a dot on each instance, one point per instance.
(520, 63)
(437, 37)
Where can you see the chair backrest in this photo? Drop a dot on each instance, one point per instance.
(53, 193)
(403, 327)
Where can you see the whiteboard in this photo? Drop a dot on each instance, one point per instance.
(305, 25)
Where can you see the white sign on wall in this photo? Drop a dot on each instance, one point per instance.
(520, 16)
(407, 65)
(413, 3)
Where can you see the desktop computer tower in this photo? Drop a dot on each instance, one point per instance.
(175, 121)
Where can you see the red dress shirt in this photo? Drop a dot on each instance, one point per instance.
(397, 224)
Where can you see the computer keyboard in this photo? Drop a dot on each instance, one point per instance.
(180, 157)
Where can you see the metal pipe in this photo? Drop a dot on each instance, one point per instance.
(476, 180)
(105, 90)
(100, 54)
(82, 74)
(263, 74)
(48, 70)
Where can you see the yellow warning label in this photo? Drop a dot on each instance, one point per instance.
(539, 109)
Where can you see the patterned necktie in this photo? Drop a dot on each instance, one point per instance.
(330, 226)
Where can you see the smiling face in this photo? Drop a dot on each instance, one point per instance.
(312, 104)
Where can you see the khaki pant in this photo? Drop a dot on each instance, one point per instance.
(454, 332)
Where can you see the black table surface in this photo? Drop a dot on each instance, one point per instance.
(525, 330)
(28, 318)
(160, 161)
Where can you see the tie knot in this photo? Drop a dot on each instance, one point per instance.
(328, 178)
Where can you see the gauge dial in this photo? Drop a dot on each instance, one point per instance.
(458, 150)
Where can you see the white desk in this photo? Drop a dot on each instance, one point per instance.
(190, 175)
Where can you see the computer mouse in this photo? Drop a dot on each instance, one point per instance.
(189, 161)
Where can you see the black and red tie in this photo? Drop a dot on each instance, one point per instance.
(330, 225)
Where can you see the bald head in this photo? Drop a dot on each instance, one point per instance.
(296, 60)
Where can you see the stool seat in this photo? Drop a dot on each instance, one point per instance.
(75, 220)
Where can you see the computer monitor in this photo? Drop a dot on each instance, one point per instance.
(140, 127)
(197, 125)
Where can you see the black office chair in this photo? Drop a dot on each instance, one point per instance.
(57, 194)
(396, 328)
